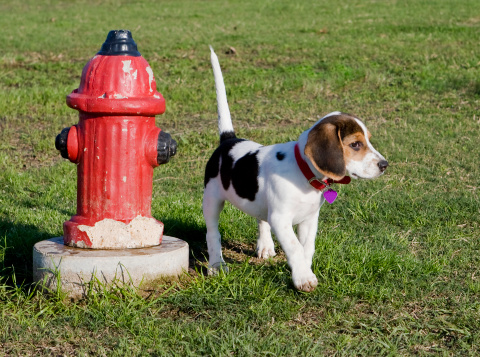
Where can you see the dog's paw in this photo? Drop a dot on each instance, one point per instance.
(265, 252)
(216, 268)
(306, 281)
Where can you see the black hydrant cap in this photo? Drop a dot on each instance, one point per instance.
(119, 43)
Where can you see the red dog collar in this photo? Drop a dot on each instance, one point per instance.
(310, 176)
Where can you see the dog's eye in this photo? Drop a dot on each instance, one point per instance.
(357, 145)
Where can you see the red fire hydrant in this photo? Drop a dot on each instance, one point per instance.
(115, 145)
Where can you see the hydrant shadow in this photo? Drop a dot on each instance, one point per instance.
(16, 243)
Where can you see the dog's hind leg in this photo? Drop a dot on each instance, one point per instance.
(212, 206)
(265, 246)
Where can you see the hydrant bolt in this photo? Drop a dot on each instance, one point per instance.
(166, 147)
(61, 142)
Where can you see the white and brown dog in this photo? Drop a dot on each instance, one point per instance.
(283, 185)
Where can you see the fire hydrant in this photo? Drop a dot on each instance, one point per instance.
(115, 145)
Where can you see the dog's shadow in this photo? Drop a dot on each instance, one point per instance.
(194, 235)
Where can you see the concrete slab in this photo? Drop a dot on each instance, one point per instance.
(74, 268)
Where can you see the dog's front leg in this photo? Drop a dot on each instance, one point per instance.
(302, 275)
(265, 246)
(307, 232)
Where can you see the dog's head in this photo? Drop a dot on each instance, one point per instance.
(339, 144)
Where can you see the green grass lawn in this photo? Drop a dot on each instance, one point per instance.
(397, 258)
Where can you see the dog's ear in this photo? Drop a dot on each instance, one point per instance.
(325, 150)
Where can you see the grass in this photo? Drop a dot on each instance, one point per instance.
(397, 258)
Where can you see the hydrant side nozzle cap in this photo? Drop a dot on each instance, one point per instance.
(119, 43)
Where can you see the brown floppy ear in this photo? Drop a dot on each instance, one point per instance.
(325, 151)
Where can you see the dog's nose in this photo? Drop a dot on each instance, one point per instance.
(382, 165)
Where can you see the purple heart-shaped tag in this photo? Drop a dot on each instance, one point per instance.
(330, 195)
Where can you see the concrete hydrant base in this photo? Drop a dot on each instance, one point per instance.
(74, 268)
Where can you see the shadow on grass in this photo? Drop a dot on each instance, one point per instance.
(194, 235)
(17, 241)
(16, 247)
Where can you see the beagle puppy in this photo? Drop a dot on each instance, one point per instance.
(283, 185)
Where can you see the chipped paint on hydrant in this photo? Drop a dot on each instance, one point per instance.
(111, 234)
(116, 146)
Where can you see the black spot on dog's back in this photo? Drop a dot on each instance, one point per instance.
(213, 164)
(245, 176)
(211, 170)
(280, 156)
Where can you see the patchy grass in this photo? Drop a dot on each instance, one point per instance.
(397, 258)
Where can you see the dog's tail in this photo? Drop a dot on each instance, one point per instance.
(225, 127)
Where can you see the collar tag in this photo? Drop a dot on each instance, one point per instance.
(330, 195)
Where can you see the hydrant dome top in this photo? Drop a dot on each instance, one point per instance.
(118, 80)
(119, 43)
